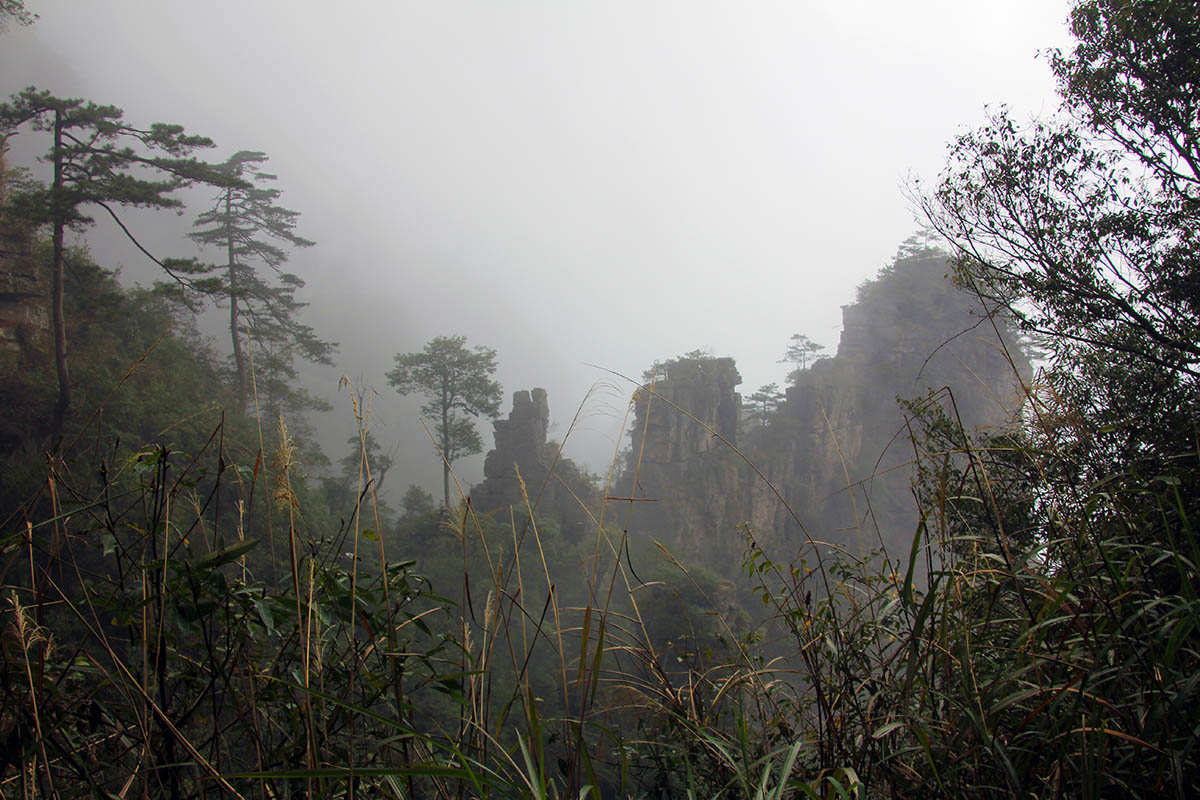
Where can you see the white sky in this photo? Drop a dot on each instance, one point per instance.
(570, 183)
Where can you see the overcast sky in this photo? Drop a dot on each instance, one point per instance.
(571, 183)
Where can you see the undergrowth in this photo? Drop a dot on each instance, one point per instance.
(167, 633)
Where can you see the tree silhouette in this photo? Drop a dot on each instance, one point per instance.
(799, 352)
(457, 384)
(246, 223)
(97, 160)
(763, 403)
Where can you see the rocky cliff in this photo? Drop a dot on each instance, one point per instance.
(681, 471)
(837, 449)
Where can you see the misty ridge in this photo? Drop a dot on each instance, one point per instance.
(273, 523)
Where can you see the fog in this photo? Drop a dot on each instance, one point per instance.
(585, 188)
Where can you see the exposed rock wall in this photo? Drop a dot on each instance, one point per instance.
(837, 449)
(686, 484)
(840, 446)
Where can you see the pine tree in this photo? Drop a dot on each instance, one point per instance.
(253, 231)
(762, 405)
(97, 159)
(457, 384)
(799, 352)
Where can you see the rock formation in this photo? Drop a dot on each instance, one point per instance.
(554, 485)
(682, 476)
(838, 449)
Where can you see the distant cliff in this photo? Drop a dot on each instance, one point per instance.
(837, 449)
(687, 482)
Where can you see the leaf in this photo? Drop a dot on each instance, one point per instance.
(227, 554)
(264, 613)
(912, 562)
(884, 730)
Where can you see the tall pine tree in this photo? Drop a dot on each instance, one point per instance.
(97, 160)
(253, 232)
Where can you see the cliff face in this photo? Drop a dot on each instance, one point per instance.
(837, 449)
(840, 449)
(686, 482)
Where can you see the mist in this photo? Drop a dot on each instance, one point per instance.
(585, 189)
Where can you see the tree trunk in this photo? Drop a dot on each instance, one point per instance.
(56, 284)
(3, 176)
(241, 384)
(445, 453)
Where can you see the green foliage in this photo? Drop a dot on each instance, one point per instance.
(1069, 552)
(362, 472)
(1085, 226)
(142, 371)
(182, 618)
(658, 369)
(98, 157)
(365, 450)
(1085, 229)
(229, 676)
(457, 384)
(1063, 599)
